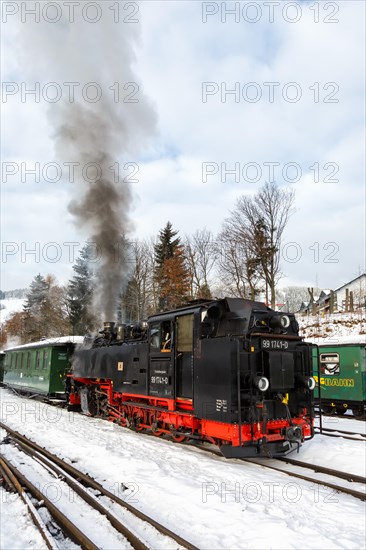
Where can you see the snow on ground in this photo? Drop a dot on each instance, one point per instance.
(346, 423)
(68, 502)
(17, 530)
(212, 502)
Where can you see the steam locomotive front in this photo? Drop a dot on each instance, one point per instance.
(272, 373)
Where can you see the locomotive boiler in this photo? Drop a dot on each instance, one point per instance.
(231, 371)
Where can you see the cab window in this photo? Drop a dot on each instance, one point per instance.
(166, 336)
(155, 336)
(329, 363)
(161, 336)
(185, 333)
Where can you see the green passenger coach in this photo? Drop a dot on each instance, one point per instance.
(342, 376)
(39, 368)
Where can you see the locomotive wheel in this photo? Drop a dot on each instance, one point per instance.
(179, 438)
(136, 426)
(359, 412)
(155, 428)
(341, 410)
(122, 422)
(138, 419)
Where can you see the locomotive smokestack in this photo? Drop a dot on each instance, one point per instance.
(109, 326)
(100, 124)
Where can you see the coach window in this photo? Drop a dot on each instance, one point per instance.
(28, 359)
(16, 361)
(329, 364)
(45, 359)
(38, 359)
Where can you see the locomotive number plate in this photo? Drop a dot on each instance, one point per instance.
(274, 344)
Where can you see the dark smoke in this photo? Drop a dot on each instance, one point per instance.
(101, 207)
(105, 132)
(107, 206)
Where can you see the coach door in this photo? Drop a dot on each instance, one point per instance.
(184, 356)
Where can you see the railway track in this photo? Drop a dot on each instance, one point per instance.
(147, 533)
(13, 483)
(360, 494)
(321, 469)
(332, 432)
(331, 482)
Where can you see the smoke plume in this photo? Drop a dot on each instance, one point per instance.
(102, 135)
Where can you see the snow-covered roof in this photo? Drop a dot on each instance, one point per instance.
(50, 342)
(335, 340)
(360, 277)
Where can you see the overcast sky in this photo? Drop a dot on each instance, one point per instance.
(261, 90)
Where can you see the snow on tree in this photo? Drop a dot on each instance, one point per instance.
(80, 295)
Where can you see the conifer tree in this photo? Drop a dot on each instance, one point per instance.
(37, 294)
(166, 245)
(34, 318)
(44, 310)
(80, 295)
(174, 281)
(171, 273)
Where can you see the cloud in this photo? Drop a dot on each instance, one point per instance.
(176, 54)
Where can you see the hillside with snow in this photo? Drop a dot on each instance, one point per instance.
(8, 306)
(333, 327)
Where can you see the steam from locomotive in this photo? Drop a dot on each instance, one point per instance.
(101, 124)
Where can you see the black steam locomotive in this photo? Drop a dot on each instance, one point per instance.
(232, 372)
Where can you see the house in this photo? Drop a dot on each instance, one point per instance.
(351, 295)
(325, 302)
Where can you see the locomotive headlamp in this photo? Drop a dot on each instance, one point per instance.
(285, 321)
(306, 382)
(261, 382)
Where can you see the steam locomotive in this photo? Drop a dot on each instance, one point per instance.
(231, 371)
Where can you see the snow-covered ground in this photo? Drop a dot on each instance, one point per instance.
(212, 502)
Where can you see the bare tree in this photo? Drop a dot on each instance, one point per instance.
(138, 297)
(201, 255)
(237, 267)
(257, 223)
